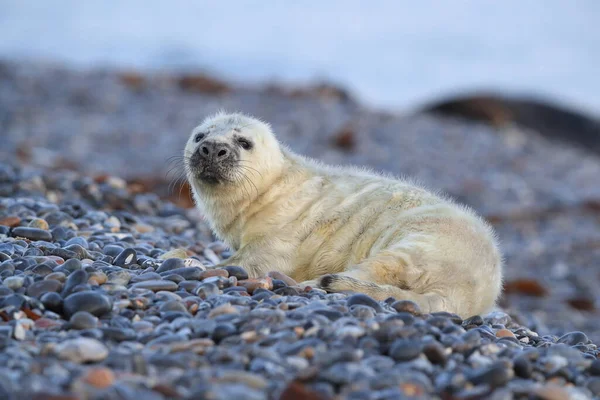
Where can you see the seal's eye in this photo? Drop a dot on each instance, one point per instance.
(199, 137)
(244, 143)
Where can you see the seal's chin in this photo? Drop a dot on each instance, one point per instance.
(211, 177)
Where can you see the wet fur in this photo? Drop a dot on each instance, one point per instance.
(345, 228)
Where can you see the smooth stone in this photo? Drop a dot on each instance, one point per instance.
(505, 333)
(239, 272)
(405, 349)
(99, 377)
(497, 318)
(97, 277)
(220, 281)
(15, 300)
(83, 320)
(222, 331)
(235, 289)
(7, 267)
(61, 233)
(37, 289)
(57, 276)
(93, 302)
(188, 273)
(119, 277)
(474, 320)
(69, 266)
(145, 276)
(19, 332)
(406, 306)
(345, 373)
(170, 264)
(206, 289)
(252, 285)
(278, 284)
(33, 252)
(365, 300)
(174, 278)
(7, 249)
(189, 286)
(173, 305)
(38, 223)
(112, 250)
(192, 262)
(80, 252)
(574, 338)
(210, 273)
(58, 218)
(522, 367)
(494, 376)
(79, 241)
(286, 290)
(81, 350)
(52, 301)
(594, 368)
(63, 253)
(283, 277)
(10, 221)
(32, 233)
(175, 253)
(593, 385)
(435, 353)
(76, 278)
(6, 332)
(42, 269)
(125, 258)
(118, 334)
(156, 285)
(14, 282)
(332, 315)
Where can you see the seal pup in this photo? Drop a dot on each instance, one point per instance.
(338, 228)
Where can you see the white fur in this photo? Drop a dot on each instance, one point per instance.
(376, 234)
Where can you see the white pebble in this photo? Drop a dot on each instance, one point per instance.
(80, 350)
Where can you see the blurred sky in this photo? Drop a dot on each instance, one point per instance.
(392, 54)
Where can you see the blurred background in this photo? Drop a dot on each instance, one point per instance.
(497, 104)
(391, 54)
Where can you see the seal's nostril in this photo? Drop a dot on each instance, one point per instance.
(222, 153)
(204, 150)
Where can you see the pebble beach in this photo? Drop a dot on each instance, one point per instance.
(108, 290)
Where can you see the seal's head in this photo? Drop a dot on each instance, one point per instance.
(231, 150)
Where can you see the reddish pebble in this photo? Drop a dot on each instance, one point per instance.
(58, 260)
(10, 221)
(252, 284)
(412, 390)
(505, 333)
(99, 377)
(214, 272)
(47, 323)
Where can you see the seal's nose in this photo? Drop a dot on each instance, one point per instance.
(214, 150)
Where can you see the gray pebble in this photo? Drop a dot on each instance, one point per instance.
(83, 320)
(32, 233)
(38, 288)
(156, 285)
(405, 350)
(365, 300)
(93, 302)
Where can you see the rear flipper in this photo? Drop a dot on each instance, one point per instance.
(428, 302)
